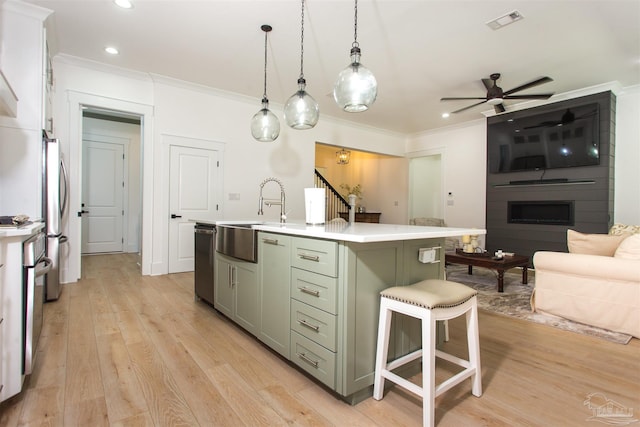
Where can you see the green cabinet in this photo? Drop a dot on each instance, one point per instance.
(236, 291)
(314, 307)
(274, 255)
(365, 270)
(316, 302)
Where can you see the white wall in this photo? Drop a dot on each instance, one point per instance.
(627, 173)
(186, 110)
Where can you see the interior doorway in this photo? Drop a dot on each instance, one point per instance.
(111, 187)
(426, 187)
(78, 103)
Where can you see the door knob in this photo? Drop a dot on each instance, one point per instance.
(173, 216)
(82, 212)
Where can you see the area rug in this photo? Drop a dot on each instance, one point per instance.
(515, 300)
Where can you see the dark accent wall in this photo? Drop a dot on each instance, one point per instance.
(589, 187)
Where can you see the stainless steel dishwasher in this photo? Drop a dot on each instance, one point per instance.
(205, 240)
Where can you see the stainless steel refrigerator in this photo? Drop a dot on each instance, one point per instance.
(55, 207)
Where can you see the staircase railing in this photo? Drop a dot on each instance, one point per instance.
(336, 204)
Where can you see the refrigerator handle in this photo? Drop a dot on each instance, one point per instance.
(65, 180)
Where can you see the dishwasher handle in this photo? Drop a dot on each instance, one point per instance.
(204, 231)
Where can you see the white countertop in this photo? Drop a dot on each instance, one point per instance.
(360, 232)
(25, 230)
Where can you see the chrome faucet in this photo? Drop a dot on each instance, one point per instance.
(271, 202)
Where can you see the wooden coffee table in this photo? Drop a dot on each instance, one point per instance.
(500, 265)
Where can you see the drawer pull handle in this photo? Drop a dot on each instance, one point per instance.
(306, 358)
(270, 241)
(312, 292)
(315, 258)
(309, 325)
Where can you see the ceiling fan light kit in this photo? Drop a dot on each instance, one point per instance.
(496, 96)
(356, 87)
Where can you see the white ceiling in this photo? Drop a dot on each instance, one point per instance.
(419, 50)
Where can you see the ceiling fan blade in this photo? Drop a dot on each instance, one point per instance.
(499, 108)
(455, 99)
(538, 96)
(466, 108)
(530, 84)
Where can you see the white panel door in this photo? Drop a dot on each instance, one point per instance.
(192, 195)
(102, 197)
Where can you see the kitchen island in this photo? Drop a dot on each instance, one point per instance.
(313, 295)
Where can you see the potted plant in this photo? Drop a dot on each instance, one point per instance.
(356, 190)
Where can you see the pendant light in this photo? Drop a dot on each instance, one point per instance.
(343, 156)
(301, 111)
(265, 126)
(356, 88)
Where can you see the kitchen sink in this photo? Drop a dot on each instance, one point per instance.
(238, 241)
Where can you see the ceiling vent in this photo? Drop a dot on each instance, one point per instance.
(509, 18)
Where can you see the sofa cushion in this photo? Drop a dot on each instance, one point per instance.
(594, 244)
(629, 248)
(624, 229)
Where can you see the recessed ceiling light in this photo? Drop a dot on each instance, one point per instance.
(125, 4)
(501, 21)
(111, 50)
(445, 115)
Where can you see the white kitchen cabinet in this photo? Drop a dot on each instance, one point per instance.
(8, 98)
(12, 307)
(2, 270)
(47, 84)
(22, 35)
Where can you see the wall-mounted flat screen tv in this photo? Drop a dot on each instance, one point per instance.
(566, 137)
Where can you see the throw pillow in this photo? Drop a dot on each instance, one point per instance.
(624, 229)
(593, 244)
(629, 248)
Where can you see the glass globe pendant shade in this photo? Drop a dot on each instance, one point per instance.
(265, 126)
(301, 111)
(356, 88)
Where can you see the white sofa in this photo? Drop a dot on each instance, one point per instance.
(596, 283)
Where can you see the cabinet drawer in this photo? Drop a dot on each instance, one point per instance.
(317, 325)
(314, 289)
(314, 359)
(315, 255)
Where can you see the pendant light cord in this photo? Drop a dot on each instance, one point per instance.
(302, 42)
(355, 26)
(266, 31)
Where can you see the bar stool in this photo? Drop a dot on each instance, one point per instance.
(429, 300)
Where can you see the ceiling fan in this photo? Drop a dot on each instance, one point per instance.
(495, 95)
(567, 118)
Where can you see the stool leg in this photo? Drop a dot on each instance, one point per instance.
(428, 369)
(473, 341)
(382, 350)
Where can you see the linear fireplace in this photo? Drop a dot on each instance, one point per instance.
(552, 212)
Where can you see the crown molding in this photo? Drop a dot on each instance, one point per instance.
(26, 9)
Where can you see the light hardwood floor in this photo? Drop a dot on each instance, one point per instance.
(120, 349)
